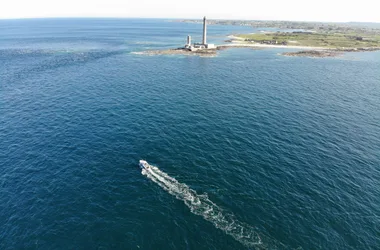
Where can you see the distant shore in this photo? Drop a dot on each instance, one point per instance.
(239, 41)
(312, 44)
(311, 39)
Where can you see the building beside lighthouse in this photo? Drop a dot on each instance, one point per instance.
(203, 45)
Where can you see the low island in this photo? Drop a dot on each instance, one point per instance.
(310, 39)
(322, 44)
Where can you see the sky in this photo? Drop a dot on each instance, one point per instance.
(297, 10)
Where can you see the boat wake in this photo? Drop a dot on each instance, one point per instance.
(200, 204)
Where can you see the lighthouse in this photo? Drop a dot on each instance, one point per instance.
(188, 41)
(200, 46)
(204, 40)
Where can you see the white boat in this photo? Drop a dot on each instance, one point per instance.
(143, 164)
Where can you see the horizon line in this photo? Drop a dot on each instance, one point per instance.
(179, 18)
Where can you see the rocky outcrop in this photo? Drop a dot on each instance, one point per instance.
(357, 49)
(179, 51)
(313, 53)
(328, 52)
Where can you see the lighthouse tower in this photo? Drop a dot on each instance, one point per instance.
(200, 46)
(204, 40)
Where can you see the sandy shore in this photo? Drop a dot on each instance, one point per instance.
(235, 37)
(270, 46)
(238, 43)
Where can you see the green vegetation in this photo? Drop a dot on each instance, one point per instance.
(314, 39)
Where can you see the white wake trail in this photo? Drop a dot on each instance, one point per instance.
(203, 206)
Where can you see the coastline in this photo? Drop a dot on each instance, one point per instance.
(239, 42)
(259, 45)
(235, 39)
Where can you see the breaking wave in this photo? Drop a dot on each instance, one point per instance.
(200, 204)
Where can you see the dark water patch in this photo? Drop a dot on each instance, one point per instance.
(52, 59)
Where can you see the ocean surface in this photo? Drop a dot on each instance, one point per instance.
(248, 149)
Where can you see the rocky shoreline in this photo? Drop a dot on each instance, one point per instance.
(357, 49)
(179, 51)
(313, 53)
(306, 52)
(201, 52)
(328, 52)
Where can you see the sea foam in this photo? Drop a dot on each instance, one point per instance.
(200, 204)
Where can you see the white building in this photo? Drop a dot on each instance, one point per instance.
(204, 44)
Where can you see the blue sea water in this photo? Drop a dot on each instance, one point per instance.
(249, 149)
